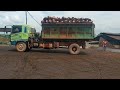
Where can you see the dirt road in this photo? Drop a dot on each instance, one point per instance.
(58, 64)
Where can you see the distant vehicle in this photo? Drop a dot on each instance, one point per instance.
(55, 33)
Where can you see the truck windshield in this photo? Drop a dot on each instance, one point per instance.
(16, 29)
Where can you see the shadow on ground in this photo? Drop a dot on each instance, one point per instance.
(61, 51)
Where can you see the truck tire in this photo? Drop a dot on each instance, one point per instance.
(83, 46)
(21, 46)
(74, 49)
(28, 47)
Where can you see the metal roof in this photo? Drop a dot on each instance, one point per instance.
(115, 36)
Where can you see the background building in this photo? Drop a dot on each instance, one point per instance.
(112, 38)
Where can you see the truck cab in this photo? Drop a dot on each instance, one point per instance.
(20, 35)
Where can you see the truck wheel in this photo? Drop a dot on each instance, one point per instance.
(74, 49)
(28, 47)
(21, 46)
(83, 46)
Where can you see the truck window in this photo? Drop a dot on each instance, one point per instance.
(25, 30)
(16, 29)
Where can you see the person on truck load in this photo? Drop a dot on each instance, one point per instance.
(104, 43)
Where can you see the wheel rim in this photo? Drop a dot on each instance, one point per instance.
(74, 49)
(20, 47)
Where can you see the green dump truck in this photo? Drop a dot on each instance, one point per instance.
(71, 34)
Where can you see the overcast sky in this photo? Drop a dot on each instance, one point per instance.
(105, 21)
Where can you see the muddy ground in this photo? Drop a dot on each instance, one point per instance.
(58, 64)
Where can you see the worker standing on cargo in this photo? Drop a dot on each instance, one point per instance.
(104, 45)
